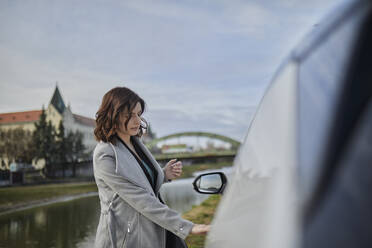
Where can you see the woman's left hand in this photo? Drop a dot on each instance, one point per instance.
(173, 169)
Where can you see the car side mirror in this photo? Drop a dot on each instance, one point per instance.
(210, 183)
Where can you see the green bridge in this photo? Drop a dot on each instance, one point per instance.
(199, 156)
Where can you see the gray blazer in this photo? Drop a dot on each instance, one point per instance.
(131, 214)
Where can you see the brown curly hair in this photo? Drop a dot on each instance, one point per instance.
(114, 102)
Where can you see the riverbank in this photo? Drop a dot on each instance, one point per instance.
(202, 214)
(19, 197)
(24, 197)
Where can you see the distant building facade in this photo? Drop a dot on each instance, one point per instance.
(176, 148)
(55, 112)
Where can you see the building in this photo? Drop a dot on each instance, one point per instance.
(176, 148)
(55, 112)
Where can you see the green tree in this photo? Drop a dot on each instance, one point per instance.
(61, 147)
(44, 142)
(75, 149)
(16, 145)
(2, 146)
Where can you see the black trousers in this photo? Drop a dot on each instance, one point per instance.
(172, 240)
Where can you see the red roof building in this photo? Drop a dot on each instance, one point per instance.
(56, 112)
(19, 117)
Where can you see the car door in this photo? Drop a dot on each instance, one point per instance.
(285, 172)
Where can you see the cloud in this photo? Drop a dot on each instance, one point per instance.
(198, 64)
(240, 17)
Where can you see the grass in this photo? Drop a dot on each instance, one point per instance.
(202, 214)
(188, 170)
(12, 196)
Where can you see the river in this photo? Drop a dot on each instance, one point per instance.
(73, 223)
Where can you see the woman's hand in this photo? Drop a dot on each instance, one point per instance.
(200, 229)
(173, 169)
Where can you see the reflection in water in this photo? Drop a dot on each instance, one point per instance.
(40, 217)
(74, 223)
(66, 224)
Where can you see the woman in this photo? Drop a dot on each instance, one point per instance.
(129, 178)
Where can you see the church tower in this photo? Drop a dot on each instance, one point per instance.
(56, 108)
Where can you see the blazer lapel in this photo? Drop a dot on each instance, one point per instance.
(128, 166)
(160, 178)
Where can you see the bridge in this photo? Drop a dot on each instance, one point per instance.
(200, 156)
(235, 144)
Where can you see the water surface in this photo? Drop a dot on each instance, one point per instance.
(73, 223)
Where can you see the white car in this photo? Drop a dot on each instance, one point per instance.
(303, 175)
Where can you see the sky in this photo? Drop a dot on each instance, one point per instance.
(200, 65)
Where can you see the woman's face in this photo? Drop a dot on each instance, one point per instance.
(134, 121)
